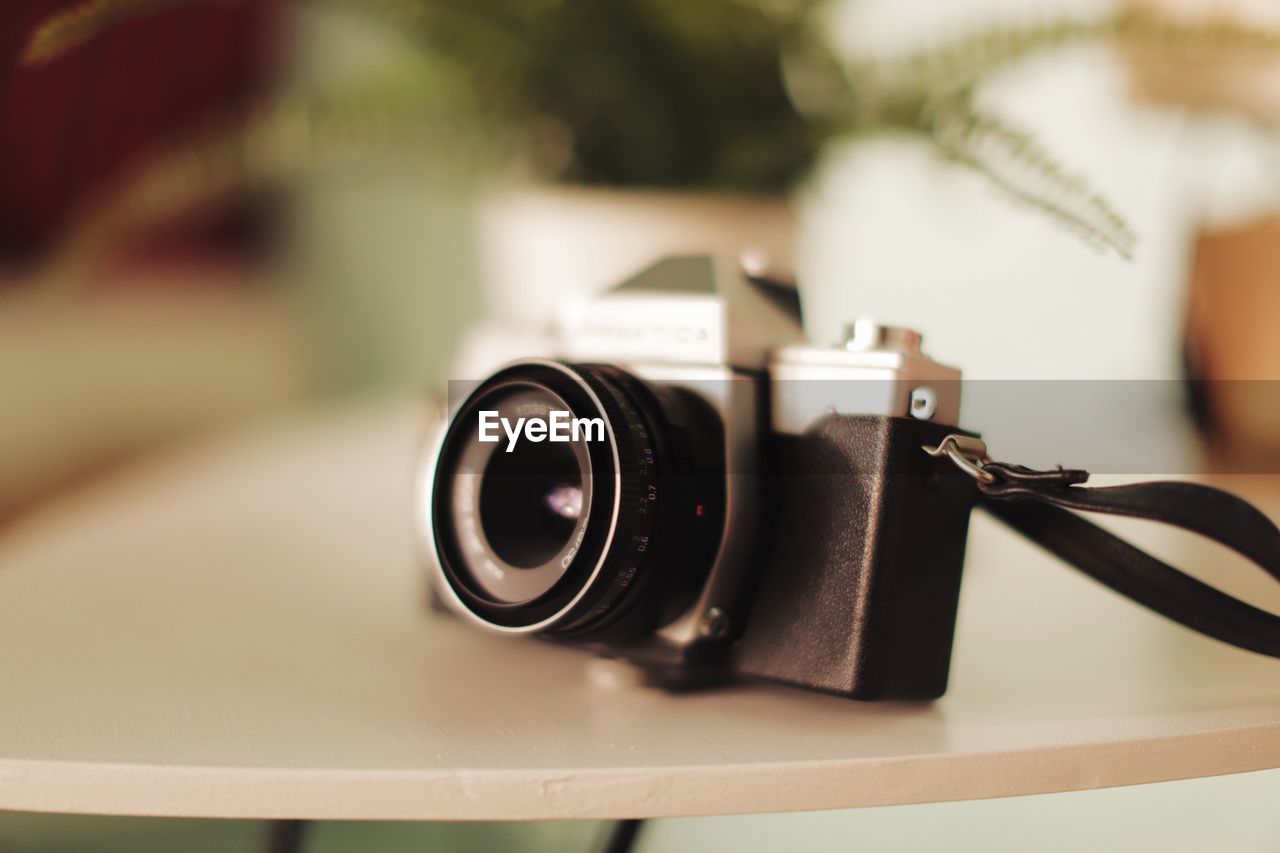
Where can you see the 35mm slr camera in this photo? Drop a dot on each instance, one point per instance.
(694, 489)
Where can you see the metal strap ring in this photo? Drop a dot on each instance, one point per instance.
(967, 452)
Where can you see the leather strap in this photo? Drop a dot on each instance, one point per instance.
(1043, 506)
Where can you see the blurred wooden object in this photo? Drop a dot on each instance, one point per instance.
(1232, 341)
(1233, 302)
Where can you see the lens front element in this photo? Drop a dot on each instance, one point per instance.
(535, 534)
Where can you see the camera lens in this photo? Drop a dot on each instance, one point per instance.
(514, 507)
(564, 530)
(530, 501)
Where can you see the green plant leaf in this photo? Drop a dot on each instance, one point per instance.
(1016, 164)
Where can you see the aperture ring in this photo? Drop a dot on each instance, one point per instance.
(623, 572)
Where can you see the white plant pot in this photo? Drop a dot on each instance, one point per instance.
(540, 246)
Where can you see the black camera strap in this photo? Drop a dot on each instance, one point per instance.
(1044, 507)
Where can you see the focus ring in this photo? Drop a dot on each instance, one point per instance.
(623, 570)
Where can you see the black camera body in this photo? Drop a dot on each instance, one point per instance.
(695, 490)
(858, 593)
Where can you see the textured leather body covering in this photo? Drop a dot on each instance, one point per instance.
(857, 594)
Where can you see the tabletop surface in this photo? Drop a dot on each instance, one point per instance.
(240, 630)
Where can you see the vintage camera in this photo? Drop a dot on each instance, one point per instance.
(695, 490)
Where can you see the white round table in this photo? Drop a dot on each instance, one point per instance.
(240, 630)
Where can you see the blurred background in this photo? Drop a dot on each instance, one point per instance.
(214, 212)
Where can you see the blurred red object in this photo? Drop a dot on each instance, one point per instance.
(72, 126)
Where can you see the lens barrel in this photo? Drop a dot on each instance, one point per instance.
(571, 539)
